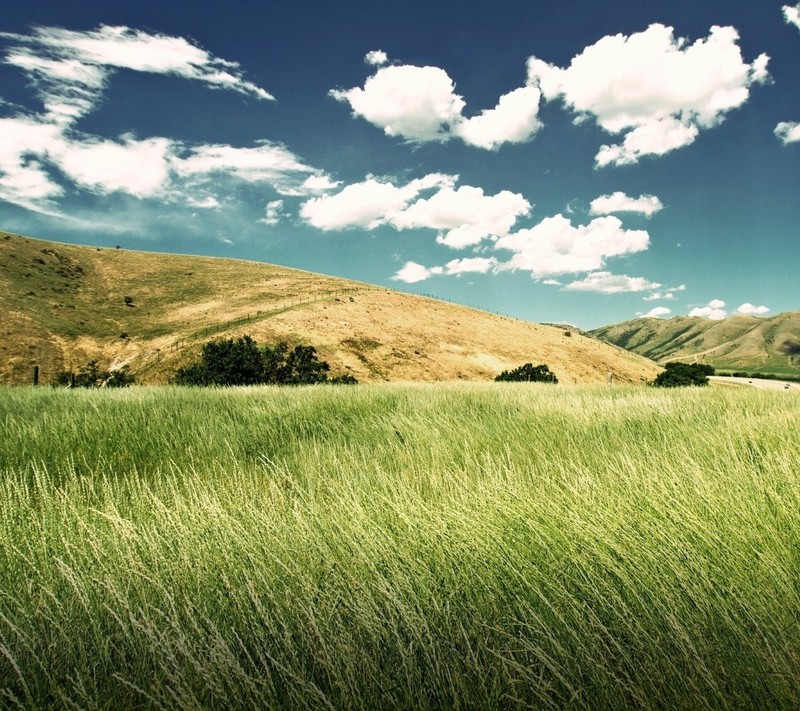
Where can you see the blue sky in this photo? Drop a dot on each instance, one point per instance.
(554, 161)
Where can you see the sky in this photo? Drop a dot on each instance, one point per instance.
(561, 162)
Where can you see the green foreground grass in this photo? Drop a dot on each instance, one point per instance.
(493, 546)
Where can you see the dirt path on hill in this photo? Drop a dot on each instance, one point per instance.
(760, 383)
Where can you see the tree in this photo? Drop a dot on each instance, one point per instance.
(243, 362)
(225, 362)
(528, 373)
(676, 375)
(305, 368)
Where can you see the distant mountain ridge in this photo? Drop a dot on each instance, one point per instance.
(63, 305)
(739, 343)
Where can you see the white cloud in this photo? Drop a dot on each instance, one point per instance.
(368, 204)
(614, 82)
(419, 104)
(24, 181)
(416, 103)
(513, 120)
(207, 203)
(646, 205)
(752, 310)
(463, 217)
(412, 272)
(69, 69)
(608, 283)
(41, 155)
(376, 58)
(139, 168)
(272, 213)
(470, 265)
(714, 310)
(788, 132)
(658, 312)
(555, 246)
(792, 15)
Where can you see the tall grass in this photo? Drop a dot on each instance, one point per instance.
(400, 547)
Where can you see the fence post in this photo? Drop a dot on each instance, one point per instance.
(35, 375)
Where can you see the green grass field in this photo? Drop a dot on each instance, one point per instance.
(429, 547)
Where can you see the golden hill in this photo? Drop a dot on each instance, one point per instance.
(747, 343)
(63, 305)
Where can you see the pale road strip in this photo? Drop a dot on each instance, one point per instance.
(760, 383)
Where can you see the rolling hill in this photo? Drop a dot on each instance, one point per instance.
(739, 343)
(63, 305)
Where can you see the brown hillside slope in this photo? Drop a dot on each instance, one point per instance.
(769, 345)
(63, 305)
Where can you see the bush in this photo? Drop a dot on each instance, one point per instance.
(678, 375)
(91, 376)
(528, 373)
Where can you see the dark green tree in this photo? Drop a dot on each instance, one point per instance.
(528, 373)
(305, 368)
(676, 375)
(226, 361)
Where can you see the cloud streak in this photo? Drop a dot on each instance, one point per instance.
(69, 69)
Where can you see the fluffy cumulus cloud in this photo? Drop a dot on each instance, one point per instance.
(658, 312)
(513, 120)
(412, 272)
(792, 14)
(608, 283)
(752, 310)
(647, 205)
(420, 104)
(714, 310)
(556, 246)
(788, 132)
(666, 294)
(462, 216)
(42, 155)
(612, 82)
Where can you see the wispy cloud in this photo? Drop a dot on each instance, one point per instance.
(647, 205)
(69, 69)
(608, 283)
(43, 156)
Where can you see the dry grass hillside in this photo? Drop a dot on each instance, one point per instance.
(749, 343)
(63, 305)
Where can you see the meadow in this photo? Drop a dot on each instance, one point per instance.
(483, 546)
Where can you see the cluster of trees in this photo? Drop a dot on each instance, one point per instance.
(242, 361)
(528, 373)
(92, 376)
(678, 375)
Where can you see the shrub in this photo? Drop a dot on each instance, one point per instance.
(528, 373)
(91, 376)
